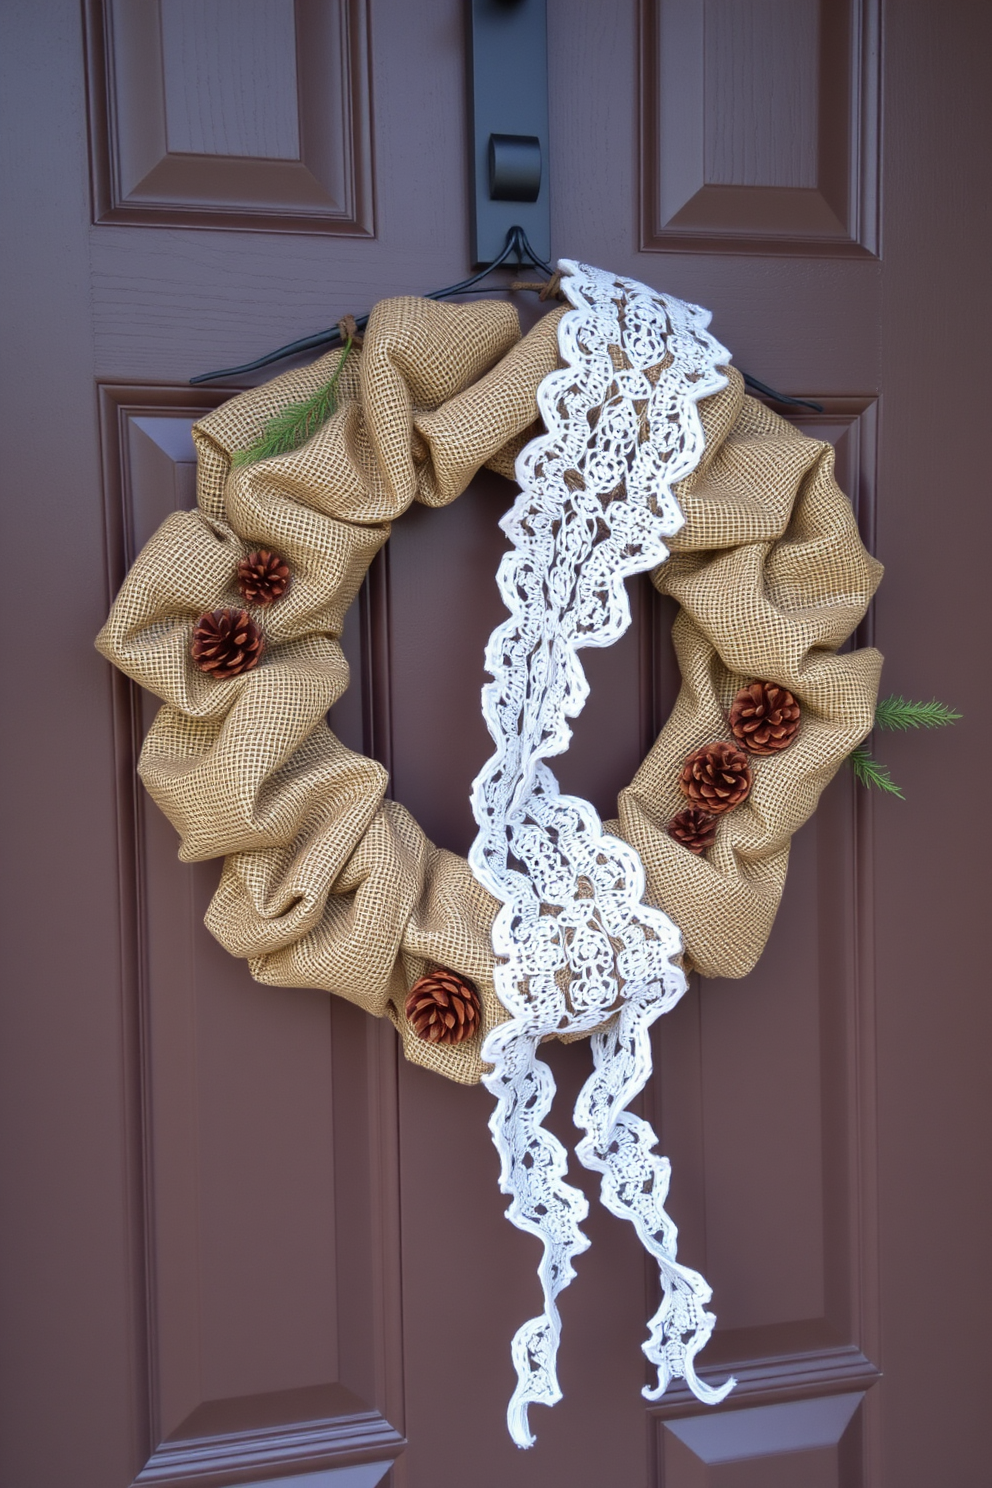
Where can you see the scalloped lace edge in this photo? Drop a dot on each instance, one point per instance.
(575, 941)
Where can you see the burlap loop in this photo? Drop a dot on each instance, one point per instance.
(327, 884)
(771, 577)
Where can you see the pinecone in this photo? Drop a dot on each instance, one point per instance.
(226, 643)
(262, 577)
(764, 718)
(695, 829)
(716, 777)
(444, 1008)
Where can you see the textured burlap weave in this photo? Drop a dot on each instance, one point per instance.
(771, 577)
(327, 884)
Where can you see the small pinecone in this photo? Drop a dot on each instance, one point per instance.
(444, 1008)
(695, 829)
(764, 718)
(226, 643)
(716, 777)
(263, 577)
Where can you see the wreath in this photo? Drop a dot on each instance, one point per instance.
(636, 450)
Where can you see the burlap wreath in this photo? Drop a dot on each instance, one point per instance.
(327, 884)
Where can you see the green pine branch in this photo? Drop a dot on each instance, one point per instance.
(868, 772)
(292, 427)
(897, 713)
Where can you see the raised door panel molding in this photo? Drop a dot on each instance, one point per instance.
(809, 1442)
(245, 114)
(322, 1435)
(764, 1101)
(265, 1124)
(759, 126)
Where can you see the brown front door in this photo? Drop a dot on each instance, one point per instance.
(243, 1241)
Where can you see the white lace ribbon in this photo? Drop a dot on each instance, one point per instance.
(577, 945)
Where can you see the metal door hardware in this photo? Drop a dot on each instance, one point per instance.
(508, 78)
(514, 167)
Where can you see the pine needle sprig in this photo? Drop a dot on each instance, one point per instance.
(898, 713)
(292, 427)
(868, 772)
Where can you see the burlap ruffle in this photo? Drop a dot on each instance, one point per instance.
(327, 884)
(772, 578)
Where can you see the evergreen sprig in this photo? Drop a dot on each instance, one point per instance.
(292, 427)
(868, 772)
(898, 713)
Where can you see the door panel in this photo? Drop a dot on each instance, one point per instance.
(759, 122)
(813, 1442)
(239, 114)
(244, 1242)
(270, 1236)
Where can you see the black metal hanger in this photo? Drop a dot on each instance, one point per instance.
(516, 245)
(762, 387)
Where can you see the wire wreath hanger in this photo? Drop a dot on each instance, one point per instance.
(517, 247)
(517, 244)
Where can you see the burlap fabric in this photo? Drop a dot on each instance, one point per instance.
(772, 577)
(327, 884)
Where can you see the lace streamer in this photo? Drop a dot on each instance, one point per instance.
(576, 944)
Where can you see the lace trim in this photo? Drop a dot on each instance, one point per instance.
(575, 940)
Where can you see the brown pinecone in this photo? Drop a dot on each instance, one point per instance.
(716, 777)
(764, 718)
(444, 1008)
(262, 577)
(695, 829)
(226, 643)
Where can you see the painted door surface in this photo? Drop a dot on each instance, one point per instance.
(244, 1242)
